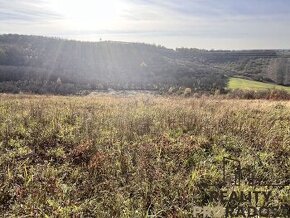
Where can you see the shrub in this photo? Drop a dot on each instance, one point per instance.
(276, 94)
(273, 94)
(187, 92)
(171, 90)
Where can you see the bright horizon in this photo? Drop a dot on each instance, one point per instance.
(208, 24)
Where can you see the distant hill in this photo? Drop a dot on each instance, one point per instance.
(42, 64)
(261, 65)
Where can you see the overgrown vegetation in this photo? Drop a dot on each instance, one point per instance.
(107, 156)
(27, 60)
(270, 94)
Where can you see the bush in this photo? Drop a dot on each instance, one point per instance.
(270, 94)
(187, 92)
(276, 94)
(171, 90)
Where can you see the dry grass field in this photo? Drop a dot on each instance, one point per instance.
(133, 156)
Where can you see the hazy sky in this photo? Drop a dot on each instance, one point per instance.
(217, 24)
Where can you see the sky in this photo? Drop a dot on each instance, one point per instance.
(208, 24)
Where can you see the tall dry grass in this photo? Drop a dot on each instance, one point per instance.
(120, 156)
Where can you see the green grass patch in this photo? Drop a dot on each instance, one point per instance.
(238, 83)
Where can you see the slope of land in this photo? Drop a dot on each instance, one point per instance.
(239, 83)
(50, 65)
(135, 156)
(100, 65)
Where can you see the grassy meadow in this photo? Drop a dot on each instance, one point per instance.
(133, 156)
(239, 83)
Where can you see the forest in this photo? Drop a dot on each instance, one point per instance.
(36, 64)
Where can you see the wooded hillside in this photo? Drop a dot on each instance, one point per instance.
(41, 64)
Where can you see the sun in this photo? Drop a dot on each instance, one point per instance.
(89, 14)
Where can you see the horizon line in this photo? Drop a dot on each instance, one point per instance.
(136, 42)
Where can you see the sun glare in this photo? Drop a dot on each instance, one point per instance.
(89, 14)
